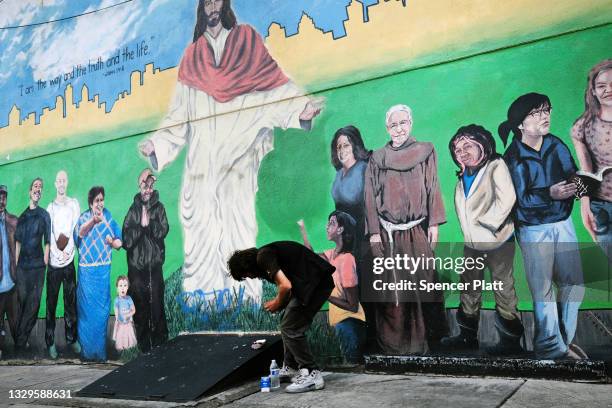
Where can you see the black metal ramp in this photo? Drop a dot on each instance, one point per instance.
(189, 367)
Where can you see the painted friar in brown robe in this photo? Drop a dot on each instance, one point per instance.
(403, 200)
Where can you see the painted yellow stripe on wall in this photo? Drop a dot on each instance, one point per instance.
(397, 35)
(393, 39)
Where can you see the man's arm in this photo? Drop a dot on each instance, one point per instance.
(132, 231)
(435, 205)
(164, 146)
(305, 239)
(283, 285)
(17, 250)
(47, 237)
(503, 200)
(160, 228)
(352, 300)
(46, 255)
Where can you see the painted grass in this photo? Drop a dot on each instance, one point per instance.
(242, 317)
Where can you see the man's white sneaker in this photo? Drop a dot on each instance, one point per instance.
(287, 374)
(307, 382)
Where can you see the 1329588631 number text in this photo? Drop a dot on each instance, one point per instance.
(39, 394)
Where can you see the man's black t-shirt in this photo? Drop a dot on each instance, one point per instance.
(33, 228)
(305, 270)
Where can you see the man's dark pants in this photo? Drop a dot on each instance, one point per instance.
(296, 320)
(55, 278)
(9, 305)
(30, 284)
(147, 292)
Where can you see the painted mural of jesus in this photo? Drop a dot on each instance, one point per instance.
(225, 108)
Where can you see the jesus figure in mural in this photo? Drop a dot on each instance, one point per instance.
(230, 96)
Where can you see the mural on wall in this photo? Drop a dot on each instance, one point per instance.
(591, 137)
(96, 235)
(9, 301)
(32, 253)
(244, 113)
(541, 167)
(64, 212)
(145, 228)
(226, 73)
(484, 200)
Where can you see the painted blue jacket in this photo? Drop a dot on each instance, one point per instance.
(533, 173)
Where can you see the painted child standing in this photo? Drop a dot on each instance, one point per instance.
(123, 332)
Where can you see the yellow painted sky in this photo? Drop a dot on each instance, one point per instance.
(149, 100)
(394, 38)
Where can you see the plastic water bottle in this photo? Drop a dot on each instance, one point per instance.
(264, 384)
(274, 376)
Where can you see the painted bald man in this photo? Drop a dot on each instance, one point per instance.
(64, 212)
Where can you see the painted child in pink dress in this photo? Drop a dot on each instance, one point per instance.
(123, 333)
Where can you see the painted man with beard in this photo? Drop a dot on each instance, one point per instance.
(403, 210)
(144, 229)
(225, 109)
(64, 212)
(33, 231)
(8, 292)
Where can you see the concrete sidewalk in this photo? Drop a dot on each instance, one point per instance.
(342, 390)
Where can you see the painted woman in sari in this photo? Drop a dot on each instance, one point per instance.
(96, 234)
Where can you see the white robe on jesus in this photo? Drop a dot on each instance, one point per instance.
(226, 143)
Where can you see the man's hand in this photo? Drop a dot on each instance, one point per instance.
(97, 217)
(109, 240)
(144, 219)
(376, 245)
(272, 306)
(562, 190)
(588, 219)
(312, 109)
(147, 148)
(432, 236)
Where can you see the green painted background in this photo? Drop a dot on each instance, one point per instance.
(295, 179)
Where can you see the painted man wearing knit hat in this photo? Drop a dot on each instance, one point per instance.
(144, 229)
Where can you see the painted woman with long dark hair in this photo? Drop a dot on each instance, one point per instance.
(484, 198)
(349, 156)
(592, 139)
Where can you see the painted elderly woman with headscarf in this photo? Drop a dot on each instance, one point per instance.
(484, 198)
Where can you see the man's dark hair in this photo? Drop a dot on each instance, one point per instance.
(242, 262)
(93, 193)
(35, 180)
(481, 136)
(348, 224)
(518, 111)
(354, 137)
(228, 19)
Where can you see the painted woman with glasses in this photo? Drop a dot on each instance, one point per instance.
(541, 167)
